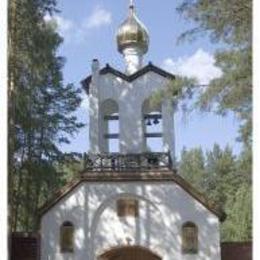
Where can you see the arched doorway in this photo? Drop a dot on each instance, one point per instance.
(129, 253)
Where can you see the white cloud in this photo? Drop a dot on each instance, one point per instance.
(99, 17)
(77, 32)
(64, 26)
(200, 65)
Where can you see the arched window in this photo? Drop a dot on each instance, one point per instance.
(67, 237)
(152, 126)
(110, 126)
(189, 238)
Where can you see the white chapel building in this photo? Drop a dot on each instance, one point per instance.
(129, 203)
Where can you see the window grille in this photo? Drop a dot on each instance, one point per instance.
(189, 238)
(67, 237)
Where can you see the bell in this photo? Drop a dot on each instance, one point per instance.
(149, 123)
(156, 121)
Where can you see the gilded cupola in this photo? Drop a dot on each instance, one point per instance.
(132, 33)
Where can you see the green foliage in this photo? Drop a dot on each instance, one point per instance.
(238, 225)
(192, 166)
(226, 180)
(229, 23)
(181, 88)
(233, 90)
(41, 110)
(221, 178)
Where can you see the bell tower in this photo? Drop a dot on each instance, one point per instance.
(122, 112)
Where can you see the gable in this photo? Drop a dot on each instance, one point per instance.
(151, 177)
(128, 78)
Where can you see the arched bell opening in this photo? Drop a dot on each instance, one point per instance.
(129, 253)
(110, 125)
(152, 126)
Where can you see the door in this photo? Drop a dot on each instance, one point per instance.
(129, 253)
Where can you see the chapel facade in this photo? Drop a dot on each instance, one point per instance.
(129, 202)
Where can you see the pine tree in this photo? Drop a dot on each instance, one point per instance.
(41, 110)
(221, 179)
(226, 180)
(192, 167)
(238, 225)
(228, 22)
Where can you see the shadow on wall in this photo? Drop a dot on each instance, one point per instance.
(128, 101)
(26, 246)
(124, 231)
(205, 227)
(98, 227)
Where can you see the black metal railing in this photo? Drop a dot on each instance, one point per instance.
(127, 162)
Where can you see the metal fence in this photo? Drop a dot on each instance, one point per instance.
(127, 162)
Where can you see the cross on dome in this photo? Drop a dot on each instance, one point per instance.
(132, 40)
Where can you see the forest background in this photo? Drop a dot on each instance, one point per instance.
(41, 111)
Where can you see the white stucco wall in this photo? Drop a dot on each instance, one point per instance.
(164, 207)
(130, 97)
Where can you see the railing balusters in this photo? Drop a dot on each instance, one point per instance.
(127, 162)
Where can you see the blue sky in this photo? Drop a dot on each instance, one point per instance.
(89, 28)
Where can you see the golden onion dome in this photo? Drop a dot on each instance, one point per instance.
(132, 33)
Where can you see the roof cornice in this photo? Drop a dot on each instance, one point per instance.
(129, 78)
(151, 177)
